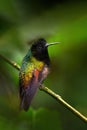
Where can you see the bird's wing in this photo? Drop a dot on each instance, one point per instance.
(28, 85)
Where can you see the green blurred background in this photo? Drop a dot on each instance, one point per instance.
(21, 21)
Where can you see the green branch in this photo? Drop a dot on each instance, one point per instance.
(51, 93)
(14, 64)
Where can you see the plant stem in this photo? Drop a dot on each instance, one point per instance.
(14, 64)
(51, 93)
(63, 102)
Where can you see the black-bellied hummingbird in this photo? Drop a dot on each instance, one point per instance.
(34, 69)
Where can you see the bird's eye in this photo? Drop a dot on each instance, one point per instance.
(39, 47)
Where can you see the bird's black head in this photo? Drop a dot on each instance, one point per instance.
(39, 51)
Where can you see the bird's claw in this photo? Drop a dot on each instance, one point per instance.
(41, 86)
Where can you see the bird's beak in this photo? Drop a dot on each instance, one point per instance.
(49, 44)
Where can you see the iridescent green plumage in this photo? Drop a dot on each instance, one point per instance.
(29, 65)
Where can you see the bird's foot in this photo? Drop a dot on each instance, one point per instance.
(41, 86)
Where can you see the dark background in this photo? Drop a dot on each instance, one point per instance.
(65, 21)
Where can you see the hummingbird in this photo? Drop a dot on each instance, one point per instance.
(34, 69)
